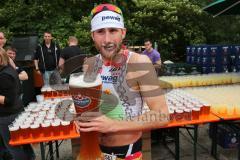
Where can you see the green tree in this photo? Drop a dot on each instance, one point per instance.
(173, 24)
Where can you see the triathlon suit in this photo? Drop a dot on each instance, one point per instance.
(119, 101)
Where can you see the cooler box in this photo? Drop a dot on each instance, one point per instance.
(189, 53)
(227, 137)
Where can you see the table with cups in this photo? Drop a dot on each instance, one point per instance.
(46, 121)
(50, 118)
(219, 91)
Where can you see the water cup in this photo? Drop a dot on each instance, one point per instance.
(40, 98)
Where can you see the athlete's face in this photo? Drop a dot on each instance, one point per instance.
(108, 41)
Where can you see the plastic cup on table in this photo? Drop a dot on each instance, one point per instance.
(46, 128)
(171, 114)
(29, 120)
(65, 127)
(222, 109)
(49, 92)
(230, 110)
(187, 114)
(54, 92)
(66, 90)
(25, 130)
(14, 132)
(237, 109)
(40, 98)
(50, 116)
(21, 118)
(206, 109)
(42, 113)
(195, 113)
(44, 91)
(55, 127)
(179, 115)
(39, 120)
(214, 109)
(35, 130)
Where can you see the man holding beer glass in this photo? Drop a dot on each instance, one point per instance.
(127, 79)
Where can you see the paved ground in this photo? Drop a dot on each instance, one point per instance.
(159, 152)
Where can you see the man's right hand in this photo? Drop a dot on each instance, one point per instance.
(38, 71)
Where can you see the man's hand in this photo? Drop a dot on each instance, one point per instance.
(94, 121)
(38, 72)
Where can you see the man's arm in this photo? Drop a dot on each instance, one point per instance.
(36, 66)
(36, 58)
(11, 62)
(2, 99)
(61, 62)
(158, 63)
(152, 94)
(157, 59)
(23, 76)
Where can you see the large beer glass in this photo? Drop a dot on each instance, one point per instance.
(86, 94)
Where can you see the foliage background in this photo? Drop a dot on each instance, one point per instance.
(172, 24)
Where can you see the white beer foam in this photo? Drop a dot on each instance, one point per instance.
(80, 82)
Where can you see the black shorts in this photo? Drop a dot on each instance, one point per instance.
(123, 151)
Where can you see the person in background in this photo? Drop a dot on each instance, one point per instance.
(70, 51)
(152, 53)
(2, 43)
(11, 52)
(10, 107)
(46, 57)
(2, 40)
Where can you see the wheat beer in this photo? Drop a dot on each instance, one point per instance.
(86, 94)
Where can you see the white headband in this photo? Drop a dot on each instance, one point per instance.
(106, 19)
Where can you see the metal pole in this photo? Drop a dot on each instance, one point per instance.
(195, 141)
(57, 151)
(42, 148)
(177, 145)
(51, 150)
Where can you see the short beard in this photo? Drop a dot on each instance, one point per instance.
(114, 55)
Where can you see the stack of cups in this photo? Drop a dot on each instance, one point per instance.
(185, 107)
(48, 118)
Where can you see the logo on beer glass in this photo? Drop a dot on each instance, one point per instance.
(86, 91)
(81, 102)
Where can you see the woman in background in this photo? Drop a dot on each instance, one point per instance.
(10, 107)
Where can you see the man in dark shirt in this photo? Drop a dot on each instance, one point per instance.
(46, 57)
(71, 51)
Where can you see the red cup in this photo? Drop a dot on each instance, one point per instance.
(187, 114)
(195, 113)
(14, 132)
(179, 115)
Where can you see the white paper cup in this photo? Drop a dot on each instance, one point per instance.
(40, 98)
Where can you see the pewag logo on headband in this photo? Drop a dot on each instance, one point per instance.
(117, 18)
